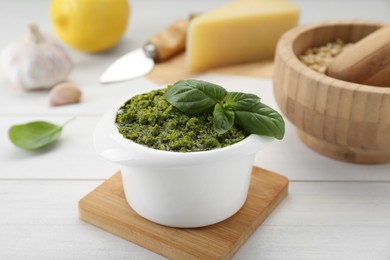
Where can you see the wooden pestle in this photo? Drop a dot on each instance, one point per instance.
(366, 62)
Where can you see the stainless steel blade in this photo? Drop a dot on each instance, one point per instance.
(132, 65)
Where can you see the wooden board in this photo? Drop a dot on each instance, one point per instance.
(174, 69)
(107, 208)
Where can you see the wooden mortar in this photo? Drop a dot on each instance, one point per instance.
(339, 119)
(366, 62)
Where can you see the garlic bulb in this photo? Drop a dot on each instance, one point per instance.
(63, 94)
(36, 62)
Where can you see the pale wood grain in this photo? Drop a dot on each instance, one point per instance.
(106, 207)
(317, 242)
(171, 40)
(325, 220)
(366, 62)
(339, 119)
(96, 98)
(38, 219)
(175, 69)
(74, 156)
(71, 157)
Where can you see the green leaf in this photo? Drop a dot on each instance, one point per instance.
(223, 119)
(35, 135)
(198, 97)
(195, 96)
(241, 101)
(261, 120)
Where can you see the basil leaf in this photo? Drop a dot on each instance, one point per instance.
(261, 120)
(241, 101)
(195, 96)
(198, 97)
(35, 135)
(223, 119)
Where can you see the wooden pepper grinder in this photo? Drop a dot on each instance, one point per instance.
(366, 62)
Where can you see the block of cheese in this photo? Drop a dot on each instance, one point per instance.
(240, 31)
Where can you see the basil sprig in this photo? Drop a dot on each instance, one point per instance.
(199, 97)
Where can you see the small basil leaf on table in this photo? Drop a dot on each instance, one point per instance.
(35, 135)
(261, 120)
(223, 119)
(240, 101)
(195, 96)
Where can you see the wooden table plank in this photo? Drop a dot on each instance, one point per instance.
(107, 208)
(96, 98)
(324, 220)
(317, 242)
(71, 157)
(289, 157)
(38, 219)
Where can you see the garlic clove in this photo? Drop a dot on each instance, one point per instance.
(63, 94)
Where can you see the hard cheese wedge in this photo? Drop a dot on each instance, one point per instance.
(241, 31)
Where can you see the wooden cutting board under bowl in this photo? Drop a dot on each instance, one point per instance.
(106, 207)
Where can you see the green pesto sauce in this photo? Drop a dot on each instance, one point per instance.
(150, 120)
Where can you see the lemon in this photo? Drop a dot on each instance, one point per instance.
(90, 25)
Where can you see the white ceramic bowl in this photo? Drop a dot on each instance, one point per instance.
(178, 189)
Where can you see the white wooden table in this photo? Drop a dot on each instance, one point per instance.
(334, 210)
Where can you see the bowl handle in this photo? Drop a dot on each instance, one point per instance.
(119, 155)
(105, 145)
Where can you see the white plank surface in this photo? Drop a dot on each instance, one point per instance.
(316, 221)
(74, 157)
(148, 17)
(39, 220)
(96, 99)
(335, 210)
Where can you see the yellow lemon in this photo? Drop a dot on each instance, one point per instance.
(90, 25)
